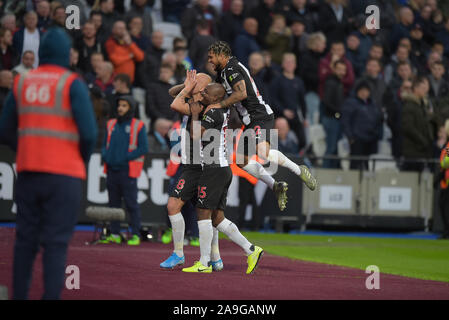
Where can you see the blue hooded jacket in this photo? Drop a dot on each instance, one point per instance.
(55, 49)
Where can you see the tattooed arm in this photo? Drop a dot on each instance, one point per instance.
(239, 94)
(175, 90)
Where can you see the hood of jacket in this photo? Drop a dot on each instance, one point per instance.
(133, 105)
(55, 47)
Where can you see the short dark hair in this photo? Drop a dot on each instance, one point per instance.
(376, 60)
(439, 62)
(339, 61)
(220, 48)
(123, 77)
(95, 13)
(418, 80)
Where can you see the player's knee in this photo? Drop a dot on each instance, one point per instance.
(174, 206)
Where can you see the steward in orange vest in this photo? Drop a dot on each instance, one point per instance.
(125, 145)
(49, 119)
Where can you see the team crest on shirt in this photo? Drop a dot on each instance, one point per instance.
(128, 129)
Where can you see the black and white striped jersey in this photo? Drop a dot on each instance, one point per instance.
(253, 107)
(214, 152)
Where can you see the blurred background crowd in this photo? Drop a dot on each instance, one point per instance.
(336, 86)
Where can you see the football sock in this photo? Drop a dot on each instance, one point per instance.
(215, 251)
(206, 234)
(233, 233)
(178, 229)
(255, 169)
(279, 158)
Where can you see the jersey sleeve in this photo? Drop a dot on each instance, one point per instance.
(233, 76)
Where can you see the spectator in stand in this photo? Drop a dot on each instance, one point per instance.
(105, 77)
(155, 49)
(337, 52)
(287, 140)
(278, 38)
(417, 131)
(335, 20)
(74, 59)
(102, 33)
(259, 74)
(141, 9)
(172, 10)
(122, 87)
(402, 55)
(6, 83)
(309, 72)
(87, 45)
(8, 21)
(402, 28)
(101, 110)
(331, 107)
(439, 92)
(354, 54)
(9, 57)
(373, 76)
(95, 59)
(299, 10)
(443, 36)
(231, 23)
(158, 100)
(377, 52)
(298, 40)
(365, 37)
(264, 13)
(199, 45)
(27, 63)
(122, 51)
(419, 48)
(135, 26)
(246, 42)
(425, 20)
(361, 122)
(28, 37)
(158, 139)
(43, 13)
(183, 62)
(109, 15)
(58, 17)
(200, 10)
(287, 94)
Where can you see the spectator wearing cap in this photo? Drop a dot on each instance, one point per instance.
(299, 10)
(246, 42)
(200, 10)
(122, 51)
(298, 40)
(361, 122)
(402, 28)
(141, 9)
(419, 48)
(9, 57)
(231, 23)
(335, 20)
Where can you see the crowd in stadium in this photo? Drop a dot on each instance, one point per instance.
(314, 62)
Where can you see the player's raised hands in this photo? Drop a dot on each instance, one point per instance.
(190, 81)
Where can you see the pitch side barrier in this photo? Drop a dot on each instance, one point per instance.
(347, 198)
(380, 196)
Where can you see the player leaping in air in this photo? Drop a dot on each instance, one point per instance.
(254, 112)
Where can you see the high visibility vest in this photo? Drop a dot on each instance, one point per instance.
(48, 135)
(173, 166)
(236, 170)
(135, 166)
(444, 183)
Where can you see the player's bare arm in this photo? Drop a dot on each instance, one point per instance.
(196, 129)
(179, 104)
(175, 90)
(239, 94)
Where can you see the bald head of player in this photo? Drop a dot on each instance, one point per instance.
(202, 80)
(213, 93)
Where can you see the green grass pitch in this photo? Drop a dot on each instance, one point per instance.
(422, 259)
